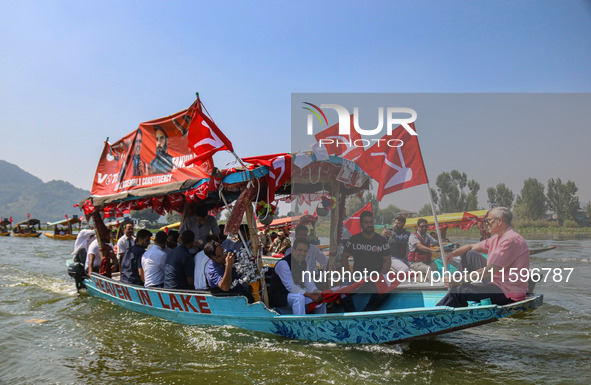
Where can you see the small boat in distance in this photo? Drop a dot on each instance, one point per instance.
(27, 228)
(64, 229)
(5, 229)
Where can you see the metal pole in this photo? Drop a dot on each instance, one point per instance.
(437, 227)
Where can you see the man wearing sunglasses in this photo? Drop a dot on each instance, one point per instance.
(419, 250)
(507, 252)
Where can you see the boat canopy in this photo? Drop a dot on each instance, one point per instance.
(64, 222)
(29, 222)
(461, 219)
(153, 167)
(290, 221)
(5, 222)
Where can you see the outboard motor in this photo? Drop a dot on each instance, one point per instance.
(76, 271)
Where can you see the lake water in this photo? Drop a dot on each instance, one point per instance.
(51, 334)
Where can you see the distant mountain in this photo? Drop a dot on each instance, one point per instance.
(22, 193)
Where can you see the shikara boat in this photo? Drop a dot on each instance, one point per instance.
(64, 229)
(407, 314)
(130, 178)
(5, 227)
(26, 229)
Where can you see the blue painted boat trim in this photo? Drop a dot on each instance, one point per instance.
(202, 308)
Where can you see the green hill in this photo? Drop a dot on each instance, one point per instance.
(22, 193)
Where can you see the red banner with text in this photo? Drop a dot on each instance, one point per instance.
(153, 155)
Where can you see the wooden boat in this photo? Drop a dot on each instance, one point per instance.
(408, 312)
(26, 229)
(406, 315)
(5, 227)
(64, 234)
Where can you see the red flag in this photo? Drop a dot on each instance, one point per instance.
(334, 294)
(279, 169)
(205, 138)
(28, 215)
(338, 144)
(88, 207)
(10, 219)
(394, 168)
(469, 220)
(353, 223)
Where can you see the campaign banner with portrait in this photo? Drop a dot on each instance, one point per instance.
(154, 154)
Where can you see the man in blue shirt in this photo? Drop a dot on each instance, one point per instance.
(180, 266)
(220, 271)
(132, 259)
(398, 241)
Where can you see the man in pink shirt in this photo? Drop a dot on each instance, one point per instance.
(508, 256)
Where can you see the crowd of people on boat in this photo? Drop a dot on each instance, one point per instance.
(199, 257)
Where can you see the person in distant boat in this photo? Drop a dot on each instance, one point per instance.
(398, 241)
(153, 262)
(162, 163)
(126, 241)
(196, 219)
(180, 265)
(220, 272)
(288, 284)
(139, 167)
(507, 251)
(265, 240)
(132, 259)
(313, 238)
(281, 243)
(419, 250)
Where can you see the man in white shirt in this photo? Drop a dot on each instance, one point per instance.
(290, 287)
(125, 242)
(153, 261)
(314, 257)
(93, 257)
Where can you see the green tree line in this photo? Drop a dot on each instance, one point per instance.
(455, 192)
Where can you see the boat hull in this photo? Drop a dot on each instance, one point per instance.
(27, 235)
(5, 234)
(63, 237)
(394, 325)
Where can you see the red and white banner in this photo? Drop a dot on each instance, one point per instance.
(395, 162)
(352, 223)
(205, 138)
(279, 169)
(153, 155)
(339, 144)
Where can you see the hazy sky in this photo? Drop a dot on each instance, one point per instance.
(73, 73)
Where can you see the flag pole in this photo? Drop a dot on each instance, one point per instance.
(437, 227)
(199, 106)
